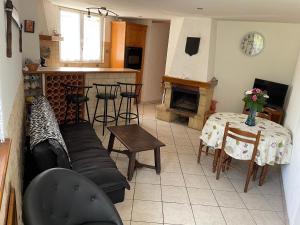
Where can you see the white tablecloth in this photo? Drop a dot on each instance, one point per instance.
(275, 145)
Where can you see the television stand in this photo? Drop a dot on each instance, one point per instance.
(276, 113)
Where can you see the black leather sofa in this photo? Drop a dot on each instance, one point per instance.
(88, 157)
(63, 197)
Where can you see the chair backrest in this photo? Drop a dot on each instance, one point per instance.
(263, 114)
(107, 89)
(76, 89)
(243, 136)
(64, 197)
(130, 87)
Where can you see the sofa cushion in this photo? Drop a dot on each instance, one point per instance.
(90, 158)
(80, 137)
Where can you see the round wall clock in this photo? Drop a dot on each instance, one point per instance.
(252, 44)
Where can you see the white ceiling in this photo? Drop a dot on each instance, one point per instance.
(257, 10)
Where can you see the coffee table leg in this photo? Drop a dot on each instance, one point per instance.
(111, 143)
(131, 165)
(157, 160)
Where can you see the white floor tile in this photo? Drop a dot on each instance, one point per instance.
(191, 168)
(229, 199)
(255, 201)
(237, 216)
(147, 211)
(175, 213)
(208, 215)
(275, 201)
(266, 217)
(196, 181)
(202, 196)
(239, 185)
(223, 184)
(174, 179)
(147, 176)
(174, 194)
(124, 209)
(151, 192)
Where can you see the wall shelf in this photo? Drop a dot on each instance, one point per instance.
(50, 38)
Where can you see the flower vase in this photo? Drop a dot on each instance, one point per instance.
(251, 118)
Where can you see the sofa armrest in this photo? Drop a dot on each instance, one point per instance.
(48, 156)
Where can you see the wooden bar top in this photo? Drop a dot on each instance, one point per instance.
(80, 70)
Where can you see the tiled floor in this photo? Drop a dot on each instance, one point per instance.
(188, 193)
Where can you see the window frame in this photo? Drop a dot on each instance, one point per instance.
(102, 36)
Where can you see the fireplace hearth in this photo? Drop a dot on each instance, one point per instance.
(185, 99)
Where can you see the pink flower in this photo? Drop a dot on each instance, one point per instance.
(254, 98)
(258, 90)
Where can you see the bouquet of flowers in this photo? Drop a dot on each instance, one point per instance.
(255, 99)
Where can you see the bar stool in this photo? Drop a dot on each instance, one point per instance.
(106, 92)
(129, 91)
(77, 95)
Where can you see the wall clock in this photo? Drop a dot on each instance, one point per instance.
(252, 44)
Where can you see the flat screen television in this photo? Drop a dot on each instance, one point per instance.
(276, 92)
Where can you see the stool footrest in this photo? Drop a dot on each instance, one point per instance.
(113, 119)
(130, 115)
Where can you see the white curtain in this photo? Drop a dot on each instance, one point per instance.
(1, 124)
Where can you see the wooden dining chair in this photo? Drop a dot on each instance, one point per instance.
(265, 168)
(262, 114)
(207, 114)
(242, 136)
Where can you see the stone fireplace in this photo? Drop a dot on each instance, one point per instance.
(185, 98)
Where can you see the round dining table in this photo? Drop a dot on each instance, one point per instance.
(275, 145)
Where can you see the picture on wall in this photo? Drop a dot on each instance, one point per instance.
(29, 26)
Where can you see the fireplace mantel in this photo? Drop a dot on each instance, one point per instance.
(190, 83)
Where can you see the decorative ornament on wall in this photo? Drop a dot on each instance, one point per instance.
(12, 16)
(252, 44)
(29, 26)
(192, 45)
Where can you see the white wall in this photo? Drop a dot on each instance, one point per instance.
(155, 60)
(180, 64)
(31, 46)
(11, 78)
(10, 68)
(290, 173)
(236, 72)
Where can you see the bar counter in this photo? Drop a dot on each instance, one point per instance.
(80, 70)
(52, 78)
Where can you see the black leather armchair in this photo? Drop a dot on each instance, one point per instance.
(63, 197)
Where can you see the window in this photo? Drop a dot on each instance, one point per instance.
(82, 35)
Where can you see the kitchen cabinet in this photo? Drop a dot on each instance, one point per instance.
(123, 35)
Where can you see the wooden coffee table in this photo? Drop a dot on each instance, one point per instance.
(135, 139)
